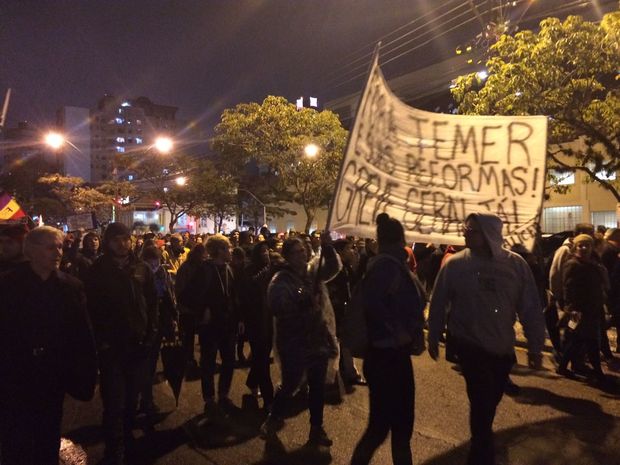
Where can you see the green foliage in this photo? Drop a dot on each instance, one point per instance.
(273, 135)
(206, 191)
(39, 189)
(567, 71)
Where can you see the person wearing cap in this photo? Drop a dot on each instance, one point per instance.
(122, 301)
(11, 243)
(485, 287)
(46, 351)
(175, 254)
(585, 286)
(556, 273)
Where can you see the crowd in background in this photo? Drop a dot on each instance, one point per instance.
(229, 290)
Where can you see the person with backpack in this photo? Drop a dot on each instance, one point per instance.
(393, 308)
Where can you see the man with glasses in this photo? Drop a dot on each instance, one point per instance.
(485, 287)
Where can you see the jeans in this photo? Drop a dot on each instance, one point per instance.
(212, 341)
(391, 390)
(293, 370)
(122, 375)
(260, 375)
(485, 376)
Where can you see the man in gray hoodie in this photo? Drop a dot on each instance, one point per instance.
(484, 288)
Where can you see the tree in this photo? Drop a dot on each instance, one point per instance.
(567, 71)
(273, 135)
(38, 189)
(201, 192)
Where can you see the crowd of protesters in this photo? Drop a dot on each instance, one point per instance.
(286, 294)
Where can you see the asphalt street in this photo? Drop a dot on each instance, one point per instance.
(553, 421)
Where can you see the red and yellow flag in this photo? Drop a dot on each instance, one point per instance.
(9, 208)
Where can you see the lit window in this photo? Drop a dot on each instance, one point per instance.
(120, 149)
(120, 139)
(558, 219)
(138, 140)
(300, 103)
(120, 111)
(130, 177)
(119, 120)
(314, 102)
(559, 178)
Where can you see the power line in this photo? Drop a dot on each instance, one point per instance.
(384, 48)
(380, 39)
(412, 48)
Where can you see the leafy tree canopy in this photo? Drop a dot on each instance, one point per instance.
(204, 191)
(273, 135)
(567, 71)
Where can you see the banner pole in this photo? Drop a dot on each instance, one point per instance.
(373, 63)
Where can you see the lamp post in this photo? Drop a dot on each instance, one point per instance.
(259, 201)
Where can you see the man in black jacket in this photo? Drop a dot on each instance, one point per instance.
(46, 350)
(211, 296)
(122, 301)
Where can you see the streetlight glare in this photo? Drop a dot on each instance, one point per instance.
(54, 140)
(311, 150)
(181, 181)
(163, 144)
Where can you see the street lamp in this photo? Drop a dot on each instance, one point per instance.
(163, 145)
(311, 150)
(54, 140)
(181, 181)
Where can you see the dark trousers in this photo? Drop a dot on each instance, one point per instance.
(212, 341)
(146, 393)
(260, 374)
(391, 390)
(485, 376)
(576, 345)
(122, 375)
(293, 371)
(188, 327)
(551, 321)
(30, 434)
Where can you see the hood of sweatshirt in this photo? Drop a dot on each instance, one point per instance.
(491, 227)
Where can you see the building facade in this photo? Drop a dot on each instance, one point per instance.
(120, 125)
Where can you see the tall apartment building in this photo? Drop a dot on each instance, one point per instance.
(119, 125)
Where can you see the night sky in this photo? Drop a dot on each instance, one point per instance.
(199, 55)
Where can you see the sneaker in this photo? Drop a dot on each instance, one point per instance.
(210, 408)
(226, 404)
(271, 426)
(566, 373)
(318, 437)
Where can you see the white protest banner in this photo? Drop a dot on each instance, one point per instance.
(431, 170)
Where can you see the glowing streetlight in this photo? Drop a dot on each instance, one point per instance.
(54, 140)
(181, 181)
(311, 150)
(163, 144)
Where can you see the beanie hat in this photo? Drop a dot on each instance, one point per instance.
(583, 238)
(389, 230)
